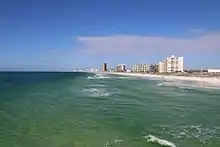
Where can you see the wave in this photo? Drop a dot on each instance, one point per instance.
(181, 86)
(167, 84)
(97, 85)
(107, 77)
(116, 141)
(162, 142)
(184, 85)
(98, 77)
(95, 92)
(123, 77)
(198, 132)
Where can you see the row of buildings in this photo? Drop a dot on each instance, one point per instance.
(171, 64)
(145, 68)
(168, 65)
(119, 68)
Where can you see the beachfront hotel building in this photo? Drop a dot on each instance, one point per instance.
(140, 68)
(104, 67)
(174, 64)
(120, 68)
(162, 67)
(171, 64)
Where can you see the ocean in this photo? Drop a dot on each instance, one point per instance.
(58, 109)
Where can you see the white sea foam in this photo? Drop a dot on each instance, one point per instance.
(198, 132)
(178, 84)
(98, 77)
(124, 77)
(90, 77)
(103, 77)
(110, 143)
(160, 84)
(97, 92)
(162, 142)
(97, 85)
(117, 141)
(106, 144)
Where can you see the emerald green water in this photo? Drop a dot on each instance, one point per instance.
(89, 110)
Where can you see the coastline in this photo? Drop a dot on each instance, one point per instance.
(206, 80)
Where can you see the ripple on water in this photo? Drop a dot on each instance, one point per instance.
(79, 112)
(97, 92)
(198, 132)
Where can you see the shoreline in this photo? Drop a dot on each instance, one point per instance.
(207, 80)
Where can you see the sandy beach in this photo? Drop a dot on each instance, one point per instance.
(206, 80)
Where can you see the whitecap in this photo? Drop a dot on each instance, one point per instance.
(162, 142)
(124, 77)
(117, 141)
(106, 144)
(167, 84)
(198, 132)
(97, 92)
(90, 77)
(180, 85)
(98, 77)
(91, 90)
(97, 85)
(103, 77)
(160, 84)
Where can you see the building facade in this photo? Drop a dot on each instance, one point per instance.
(136, 68)
(162, 67)
(171, 64)
(120, 68)
(104, 67)
(140, 68)
(174, 64)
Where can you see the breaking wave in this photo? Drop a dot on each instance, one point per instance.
(198, 132)
(99, 77)
(180, 85)
(186, 85)
(106, 76)
(162, 142)
(97, 92)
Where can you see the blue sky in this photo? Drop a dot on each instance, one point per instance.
(67, 34)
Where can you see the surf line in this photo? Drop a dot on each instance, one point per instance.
(162, 142)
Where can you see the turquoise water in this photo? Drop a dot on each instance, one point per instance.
(94, 110)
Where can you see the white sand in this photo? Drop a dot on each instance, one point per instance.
(206, 80)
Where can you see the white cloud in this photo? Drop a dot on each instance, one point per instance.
(123, 44)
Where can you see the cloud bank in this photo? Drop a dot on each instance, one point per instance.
(123, 44)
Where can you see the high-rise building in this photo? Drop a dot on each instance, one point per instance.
(120, 68)
(174, 64)
(171, 64)
(104, 67)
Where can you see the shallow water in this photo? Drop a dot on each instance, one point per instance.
(89, 110)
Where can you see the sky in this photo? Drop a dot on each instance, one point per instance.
(69, 34)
